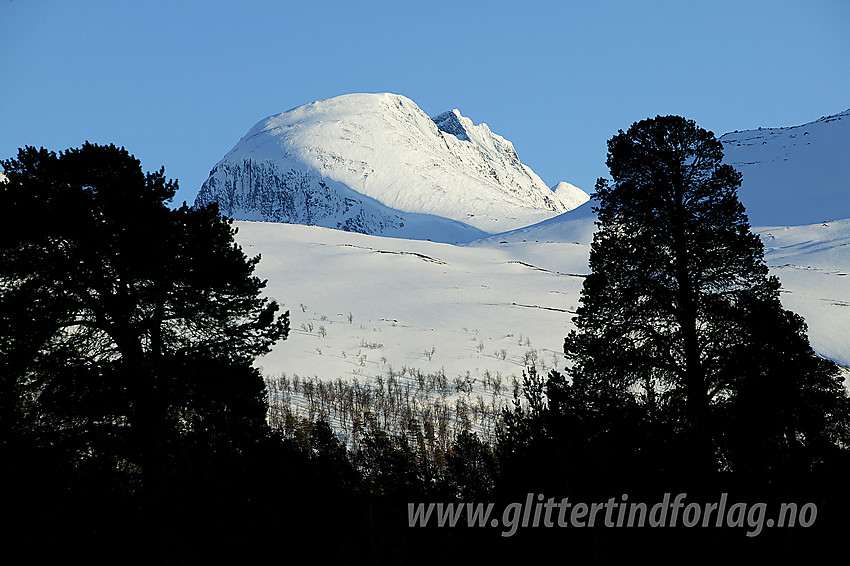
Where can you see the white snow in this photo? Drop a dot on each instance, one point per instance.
(570, 195)
(813, 264)
(511, 295)
(470, 303)
(384, 148)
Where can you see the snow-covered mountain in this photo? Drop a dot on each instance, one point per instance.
(504, 300)
(796, 175)
(377, 164)
(572, 196)
(792, 177)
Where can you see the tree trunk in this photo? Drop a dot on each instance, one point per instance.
(700, 453)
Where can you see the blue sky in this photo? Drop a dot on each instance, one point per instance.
(178, 83)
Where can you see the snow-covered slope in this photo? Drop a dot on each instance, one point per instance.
(362, 304)
(813, 264)
(796, 175)
(811, 261)
(576, 226)
(377, 164)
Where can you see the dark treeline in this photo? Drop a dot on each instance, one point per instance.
(135, 429)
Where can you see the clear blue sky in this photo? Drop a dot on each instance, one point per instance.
(178, 83)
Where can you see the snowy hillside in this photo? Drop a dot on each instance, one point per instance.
(377, 164)
(795, 175)
(813, 264)
(362, 305)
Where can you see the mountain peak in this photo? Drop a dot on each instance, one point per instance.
(452, 122)
(376, 163)
(572, 196)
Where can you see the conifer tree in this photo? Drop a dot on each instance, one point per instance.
(128, 328)
(679, 312)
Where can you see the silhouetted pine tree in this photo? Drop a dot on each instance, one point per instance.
(683, 364)
(128, 333)
(680, 314)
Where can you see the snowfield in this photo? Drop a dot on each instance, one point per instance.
(362, 304)
(813, 264)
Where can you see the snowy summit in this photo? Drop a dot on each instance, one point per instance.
(377, 164)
